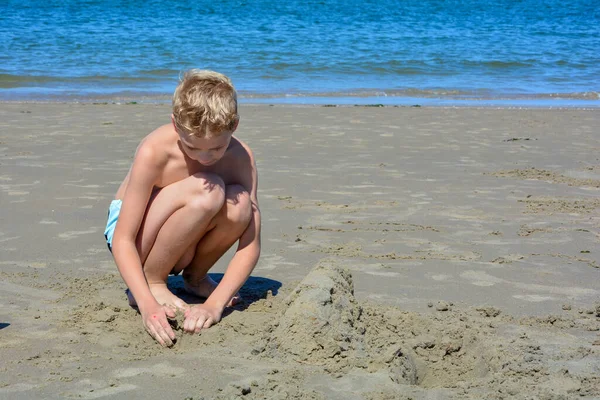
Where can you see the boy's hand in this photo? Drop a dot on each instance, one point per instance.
(200, 317)
(156, 323)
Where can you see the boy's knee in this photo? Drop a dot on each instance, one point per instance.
(239, 205)
(209, 193)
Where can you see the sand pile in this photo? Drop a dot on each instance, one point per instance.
(321, 321)
(322, 324)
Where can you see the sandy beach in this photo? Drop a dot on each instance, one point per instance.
(408, 253)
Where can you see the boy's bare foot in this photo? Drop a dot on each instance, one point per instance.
(205, 287)
(163, 296)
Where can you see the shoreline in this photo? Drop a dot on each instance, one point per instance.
(483, 105)
(409, 98)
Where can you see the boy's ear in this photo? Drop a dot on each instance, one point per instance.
(237, 122)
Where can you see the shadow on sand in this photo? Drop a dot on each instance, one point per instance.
(255, 288)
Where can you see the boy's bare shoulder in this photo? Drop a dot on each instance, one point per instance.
(238, 165)
(158, 144)
(239, 153)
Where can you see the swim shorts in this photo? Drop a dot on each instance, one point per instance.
(113, 215)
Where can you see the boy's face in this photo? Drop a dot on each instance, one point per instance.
(207, 150)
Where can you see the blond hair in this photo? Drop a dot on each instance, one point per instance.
(205, 104)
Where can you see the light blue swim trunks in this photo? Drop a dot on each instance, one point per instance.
(113, 215)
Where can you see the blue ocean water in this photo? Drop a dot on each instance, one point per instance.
(322, 51)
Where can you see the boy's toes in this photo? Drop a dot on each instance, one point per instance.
(237, 299)
(181, 305)
(176, 304)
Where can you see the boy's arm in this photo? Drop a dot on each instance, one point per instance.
(142, 177)
(240, 267)
(242, 263)
(248, 251)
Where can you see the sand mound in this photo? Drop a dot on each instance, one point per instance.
(321, 322)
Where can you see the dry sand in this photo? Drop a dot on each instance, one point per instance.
(408, 253)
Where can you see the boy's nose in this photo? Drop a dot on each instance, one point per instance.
(204, 160)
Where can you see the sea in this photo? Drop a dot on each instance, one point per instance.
(539, 53)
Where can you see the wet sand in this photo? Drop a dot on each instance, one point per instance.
(407, 253)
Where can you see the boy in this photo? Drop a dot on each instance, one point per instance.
(190, 195)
